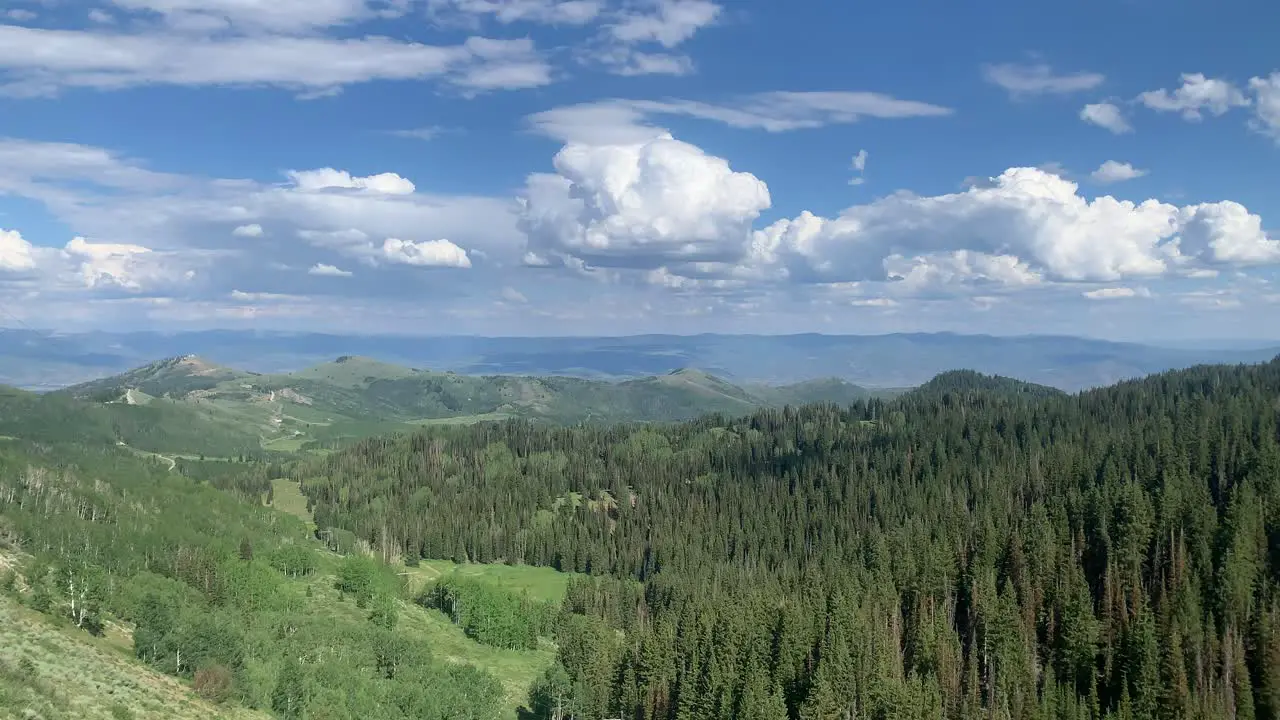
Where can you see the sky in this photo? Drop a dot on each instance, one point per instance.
(1104, 168)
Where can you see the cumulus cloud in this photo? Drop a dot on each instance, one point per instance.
(251, 230)
(357, 244)
(120, 266)
(15, 252)
(328, 271)
(41, 61)
(641, 205)
(1226, 232)
(512, 295)
(1116, 293)
(1106, 115)
(429, 253)
(1113, 172)
(20, 15)
(1035, 222)
(1039, 79)
(1196, 95)
(625, 121)
(326, 178)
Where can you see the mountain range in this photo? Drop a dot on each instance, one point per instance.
(44, 360)
(189, 405)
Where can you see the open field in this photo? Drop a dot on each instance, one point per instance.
(287, 498)
(541, 583)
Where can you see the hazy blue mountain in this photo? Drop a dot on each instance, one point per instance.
(40, 360)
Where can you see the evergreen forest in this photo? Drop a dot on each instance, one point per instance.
(975, 548)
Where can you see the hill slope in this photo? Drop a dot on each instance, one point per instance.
(135, 586)
(354, 397)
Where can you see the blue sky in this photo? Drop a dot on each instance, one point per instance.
(623, 166)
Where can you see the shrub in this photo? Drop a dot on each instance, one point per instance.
(213, 683)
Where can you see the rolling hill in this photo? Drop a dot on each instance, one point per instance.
(354, 396)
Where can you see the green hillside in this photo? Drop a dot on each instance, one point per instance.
(126, 592)
(169, 426)
(356, 397)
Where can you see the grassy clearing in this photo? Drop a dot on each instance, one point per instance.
(288, 498)
(57, 673)
(288, 443)
(541, 583)
(515, 669)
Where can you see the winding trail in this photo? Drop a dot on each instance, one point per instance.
(173, 463)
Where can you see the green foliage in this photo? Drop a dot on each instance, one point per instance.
(979, 548)
(491, 614)
(294, 560)
(111, 539)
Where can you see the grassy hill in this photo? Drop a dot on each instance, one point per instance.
(142, 422)
(127, 594)
(354, 397)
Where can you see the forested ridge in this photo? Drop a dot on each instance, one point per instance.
(963, 551)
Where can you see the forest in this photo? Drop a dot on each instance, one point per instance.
(975, 548)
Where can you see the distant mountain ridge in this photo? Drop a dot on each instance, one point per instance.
(355, 396)
(42, 360)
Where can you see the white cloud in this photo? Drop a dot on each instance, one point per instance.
(429, 132)
(41, 61)
(510, 294)
(625, 121)
(1266, 102)
(1026, 225)
(666, 24)
(859, 165)
(874, 302)
(1113, 172)
(429, 253)
(1226, 232)
(1039, 79)
(15, 252)
(240, 296)
(1106, 115)
(20, 15)
(252, 230)
(287, 16)
(328, 271)
(100, 16)
(119, 265)
(641, 205)
(1116, 293)
(1196, 95)
(326, 178)
(549, 12)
